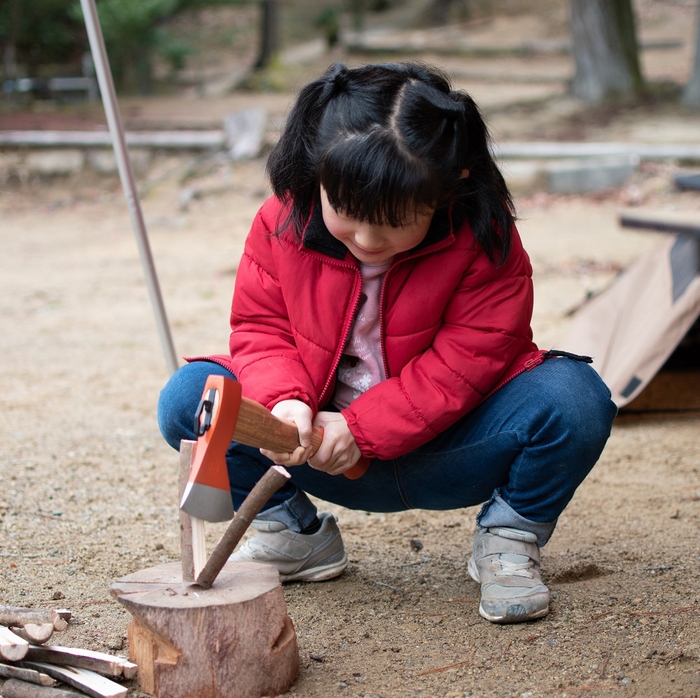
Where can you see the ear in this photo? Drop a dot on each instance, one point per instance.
(465, 174)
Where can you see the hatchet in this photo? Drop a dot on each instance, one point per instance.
(224, 415)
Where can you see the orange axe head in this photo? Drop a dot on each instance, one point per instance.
(207, 495)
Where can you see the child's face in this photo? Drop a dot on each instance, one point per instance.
(373, 244)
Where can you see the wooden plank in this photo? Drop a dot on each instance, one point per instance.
(20, 689)
(557, 150)
(84, 680)
(38, 633)
(12, 647)
(99, 662)
(662, 222)
(29, 675)
(186, 453)
(185, 140)
(669, 390)
(19, 616)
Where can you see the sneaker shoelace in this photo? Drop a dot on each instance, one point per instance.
(508, 568)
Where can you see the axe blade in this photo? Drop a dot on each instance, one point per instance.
(207, 495)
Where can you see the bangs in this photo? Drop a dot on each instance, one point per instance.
(371, 178)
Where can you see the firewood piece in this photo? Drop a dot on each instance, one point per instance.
(65, 613)
(19, 689)
(12, 647)
(99, 662)
(19, 617)
(235, 639)
(199, 545)
(29, 675)
(84, 680)
(193, 546)
(269, 483)
(38, 633)
(186, 453)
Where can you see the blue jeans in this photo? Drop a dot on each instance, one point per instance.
(523, 452)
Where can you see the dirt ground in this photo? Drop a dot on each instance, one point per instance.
(88, 487)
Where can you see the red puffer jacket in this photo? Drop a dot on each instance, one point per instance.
(454, 327)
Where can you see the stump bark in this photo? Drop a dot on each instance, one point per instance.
(234, 640)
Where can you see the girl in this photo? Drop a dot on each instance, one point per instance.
(385, 296)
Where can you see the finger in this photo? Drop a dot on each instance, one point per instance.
(296, 457)
(305, 431)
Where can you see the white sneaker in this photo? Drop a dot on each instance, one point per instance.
(506, 562)
(299, 557)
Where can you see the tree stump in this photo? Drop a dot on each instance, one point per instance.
(234, 640)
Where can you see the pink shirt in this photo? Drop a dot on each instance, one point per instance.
(361, 365)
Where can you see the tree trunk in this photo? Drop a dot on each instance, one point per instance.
(269, 33)
(691, 95)
(605, 50)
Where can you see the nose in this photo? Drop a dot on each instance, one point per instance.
(368, 237)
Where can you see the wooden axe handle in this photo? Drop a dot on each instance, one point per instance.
(256, 426)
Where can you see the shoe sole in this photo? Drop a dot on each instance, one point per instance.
(318, 574)
(513, 615)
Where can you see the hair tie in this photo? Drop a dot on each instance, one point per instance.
(337, 80)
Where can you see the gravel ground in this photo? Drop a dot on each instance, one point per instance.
(88, 488)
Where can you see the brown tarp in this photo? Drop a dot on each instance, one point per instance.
(634, 326)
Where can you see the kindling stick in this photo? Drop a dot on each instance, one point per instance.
(269, 483)
(116, 129)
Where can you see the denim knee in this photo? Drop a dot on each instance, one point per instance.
(178, 400)
(582, 403)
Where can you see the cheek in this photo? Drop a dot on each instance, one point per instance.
(332, 223)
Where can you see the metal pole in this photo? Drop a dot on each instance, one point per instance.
(116, 129)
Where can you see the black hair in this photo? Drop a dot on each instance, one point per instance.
(386, 141)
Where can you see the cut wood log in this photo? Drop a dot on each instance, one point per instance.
(12, 647)
(235, 639)
(99, 662)
(30, 675)
(88, 682)
(38, 633)
(19, 617)
(20, 689)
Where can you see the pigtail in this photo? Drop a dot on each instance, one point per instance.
(291, 165)
(385, 139)
(483, 198)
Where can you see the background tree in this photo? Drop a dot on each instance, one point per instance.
(46, 36)
(269, 33)
(38, 32)
(605, 50)
(691, 96)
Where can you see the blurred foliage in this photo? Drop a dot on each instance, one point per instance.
(41, 31)
(53, 32)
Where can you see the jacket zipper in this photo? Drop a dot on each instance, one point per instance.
(343, 339)
(527, 366)
(382, 295)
